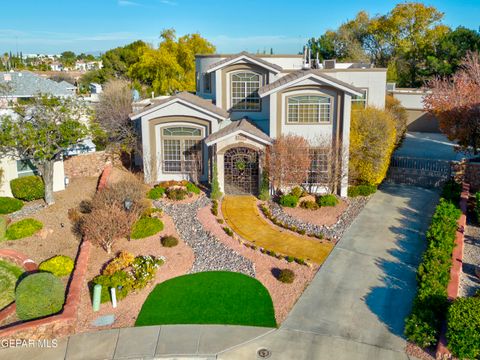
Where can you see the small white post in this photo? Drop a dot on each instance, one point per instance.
(113, 293)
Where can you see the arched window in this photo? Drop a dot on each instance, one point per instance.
(307, 109)
(244, 91)
(182, 149)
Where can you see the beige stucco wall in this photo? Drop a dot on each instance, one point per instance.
(9, 167)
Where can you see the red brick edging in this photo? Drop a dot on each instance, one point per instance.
(456, 270)
(64, 323)
(21, 260)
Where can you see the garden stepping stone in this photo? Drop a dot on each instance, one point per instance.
(104, 320)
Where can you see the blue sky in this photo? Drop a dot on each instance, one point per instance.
(48, 26)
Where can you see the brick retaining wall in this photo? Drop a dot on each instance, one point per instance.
(456, 270)
(62, 324)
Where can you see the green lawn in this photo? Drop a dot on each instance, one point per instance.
(214, 297)
(9, 274)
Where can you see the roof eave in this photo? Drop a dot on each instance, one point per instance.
(237, 132)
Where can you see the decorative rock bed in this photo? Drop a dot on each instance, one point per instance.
(334, 232)
(210, 253)
(27, 210)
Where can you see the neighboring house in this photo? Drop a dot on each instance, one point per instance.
(82, 65)
(14, 168)
(23, 85)
(56, 66)
(412, 100)
(243, 103)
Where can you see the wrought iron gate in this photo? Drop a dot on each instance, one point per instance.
(430, 173)
(241, 171)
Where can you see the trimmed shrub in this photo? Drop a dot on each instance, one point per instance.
(463, 328)
(289, 258)
(214, 209)
(28, 188)
(309, 205)
(39, 295)
(433, 275)
(220, 221)
(59, 265)
(156, 193)
(145, 227)
(23, 228)
(9, 205)
(121, 280)
(228, 231)
(289, 201)
(327, 200)
(286, 276)
(361, 190)
(169, 241)
(176, 194)
(192, 188)
(452, 191)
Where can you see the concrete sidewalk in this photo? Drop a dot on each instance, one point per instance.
(149, 342)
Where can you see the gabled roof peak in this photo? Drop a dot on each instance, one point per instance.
(244, 55)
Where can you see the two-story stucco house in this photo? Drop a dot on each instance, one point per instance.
(242, 103)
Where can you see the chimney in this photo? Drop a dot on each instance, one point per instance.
(329, 64)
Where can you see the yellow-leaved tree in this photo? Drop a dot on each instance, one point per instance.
(372, 141)
(170, 67)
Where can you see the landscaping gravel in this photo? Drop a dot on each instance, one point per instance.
(210, 254)
(469, 282)
(28, 210)
(334, 232)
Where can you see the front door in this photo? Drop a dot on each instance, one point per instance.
(241, 171)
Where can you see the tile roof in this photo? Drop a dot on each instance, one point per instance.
(188, 97)
(27, 84)
(298, 75)
(239, 125)
(246, 54)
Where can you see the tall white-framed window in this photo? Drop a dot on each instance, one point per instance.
(360, 101)
(182, 149)
(25, 168)
(207, 83)
(309, 109)
(244, 91)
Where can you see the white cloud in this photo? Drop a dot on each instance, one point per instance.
(169, 2)
(127, 3)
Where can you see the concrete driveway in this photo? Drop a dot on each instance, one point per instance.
(356, 305)
(429, 146)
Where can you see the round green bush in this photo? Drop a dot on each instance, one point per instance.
(169, 241)
(28, 188)
(192, 188)
(327, 200)
(23, 228)
(176, 193)
(9, 274)
(59, 265)
(298, 192)
(289, 201)
(39, 295)
(361, 190)
(9, 205)
(145, 227)
(286, 276)
(156, 193)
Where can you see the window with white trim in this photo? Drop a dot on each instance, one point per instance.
(244, 91)
(308, 109)
(360, 101)
(182, 149)
(318, 172)
(25, 168)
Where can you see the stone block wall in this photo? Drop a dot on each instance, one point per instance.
(472, 176)
(86, 165)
